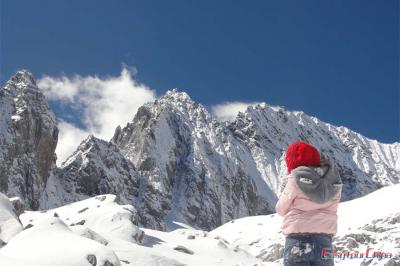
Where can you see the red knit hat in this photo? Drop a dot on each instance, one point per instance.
(301, 154)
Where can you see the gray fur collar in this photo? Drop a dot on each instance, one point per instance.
(320, 184)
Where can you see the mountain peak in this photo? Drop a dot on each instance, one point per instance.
(29, 141)
(265, 107)
(179, 102)
(23, 78)
(176, 95)
(84, 147)
(90, 139)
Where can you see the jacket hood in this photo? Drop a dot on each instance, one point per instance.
(321, 183)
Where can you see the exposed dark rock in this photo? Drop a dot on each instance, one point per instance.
(92, 259)
(28, 226)
(18, 204)
(184, 250)
(82, 222)
(107, 263)
(395, 219)
(83, 210)
(139, 236)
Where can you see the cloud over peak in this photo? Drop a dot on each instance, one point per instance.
(97, 105)
(103, 103)
(229, 110)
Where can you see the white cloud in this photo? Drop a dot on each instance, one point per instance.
(228, 111)
(104, 103)
(68, 139)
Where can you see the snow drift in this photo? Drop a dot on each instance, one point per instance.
(98, 231)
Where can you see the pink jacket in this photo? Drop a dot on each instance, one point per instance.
(303, 215)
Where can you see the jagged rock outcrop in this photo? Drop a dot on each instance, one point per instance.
(28, 138)
(96, 167)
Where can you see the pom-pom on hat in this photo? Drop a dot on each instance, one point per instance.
(301, 154)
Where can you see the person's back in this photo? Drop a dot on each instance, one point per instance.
(309, 204)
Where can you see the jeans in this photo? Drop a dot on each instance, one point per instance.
(306, 250)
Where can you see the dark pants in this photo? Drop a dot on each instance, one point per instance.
(307, 250)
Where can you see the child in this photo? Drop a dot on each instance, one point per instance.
(308, 205)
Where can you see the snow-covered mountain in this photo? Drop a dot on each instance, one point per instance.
(98, 231)
(96, 167)
(28, 138)
(174, 161)
(364, 164)
(205, 177)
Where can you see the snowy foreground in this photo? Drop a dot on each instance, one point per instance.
(98, 231)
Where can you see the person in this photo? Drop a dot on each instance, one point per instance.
(308, 204)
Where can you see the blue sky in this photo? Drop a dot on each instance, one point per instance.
(337, 60)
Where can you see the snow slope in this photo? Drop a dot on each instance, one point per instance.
(99, 226)
(50, 242)
(369, 221)
(100, 229)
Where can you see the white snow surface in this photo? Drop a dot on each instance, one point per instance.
(100, 227)
(369, 221)
(9, 223)
(50, 242)
(109, 231)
